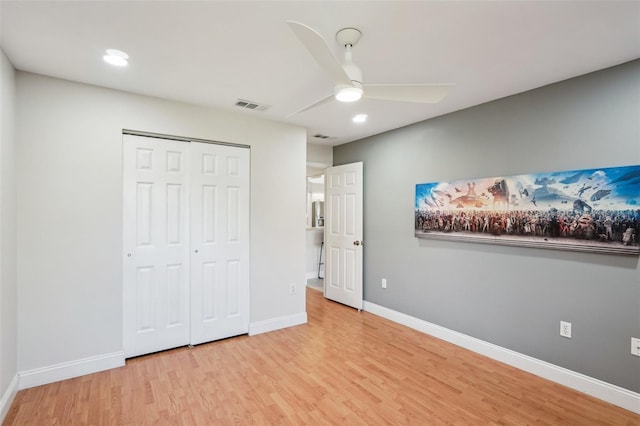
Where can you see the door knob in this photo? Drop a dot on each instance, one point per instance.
(356, 243)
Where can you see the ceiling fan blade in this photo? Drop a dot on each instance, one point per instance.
(320, 50)
(313, 105)
(418, 93)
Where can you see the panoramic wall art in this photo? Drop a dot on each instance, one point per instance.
(593, 210)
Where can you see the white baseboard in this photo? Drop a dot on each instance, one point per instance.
(7, 398)
(265, 326)
(68, 370)
(597, 388)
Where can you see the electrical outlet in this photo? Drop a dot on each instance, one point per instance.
(635, 346)
(565, 329)
(384, 283)
(292, 288)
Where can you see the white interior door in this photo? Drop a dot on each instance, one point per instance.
(186, 243)
(156, 245)
(343, 234)
(219, 241)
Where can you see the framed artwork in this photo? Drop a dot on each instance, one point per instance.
(593, 210)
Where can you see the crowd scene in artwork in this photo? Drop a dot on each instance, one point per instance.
(591, 205)
(603, 225)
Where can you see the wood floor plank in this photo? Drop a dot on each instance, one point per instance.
(344, 367)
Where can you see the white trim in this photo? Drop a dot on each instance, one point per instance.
(613, 394)
(312, 275)
(8, 397)
(316, 288)
(273, 324)
(318, 165)
(68, 370)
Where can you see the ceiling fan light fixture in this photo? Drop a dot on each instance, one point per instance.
(349, 94)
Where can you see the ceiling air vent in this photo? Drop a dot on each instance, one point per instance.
(320, 136)
(243, 103)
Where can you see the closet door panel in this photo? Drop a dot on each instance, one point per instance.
(155, 245)
(219, 242)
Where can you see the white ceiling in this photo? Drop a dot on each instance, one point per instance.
(212, 52)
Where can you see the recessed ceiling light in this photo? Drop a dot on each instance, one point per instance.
(360, 118)
(116, 57)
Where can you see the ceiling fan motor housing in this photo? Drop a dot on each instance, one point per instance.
(354, 73)
(348, 36)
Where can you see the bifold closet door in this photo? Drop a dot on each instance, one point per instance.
(156, 245)
(186, 243)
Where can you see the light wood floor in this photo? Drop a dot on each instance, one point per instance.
(342, 368)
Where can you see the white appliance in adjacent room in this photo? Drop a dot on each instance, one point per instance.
(317, 214)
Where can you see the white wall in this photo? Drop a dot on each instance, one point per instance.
(70, 212)
(319, 156)
(8, 278)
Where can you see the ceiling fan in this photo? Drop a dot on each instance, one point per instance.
(349, 86)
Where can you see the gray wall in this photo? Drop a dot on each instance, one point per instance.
(512, 297)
